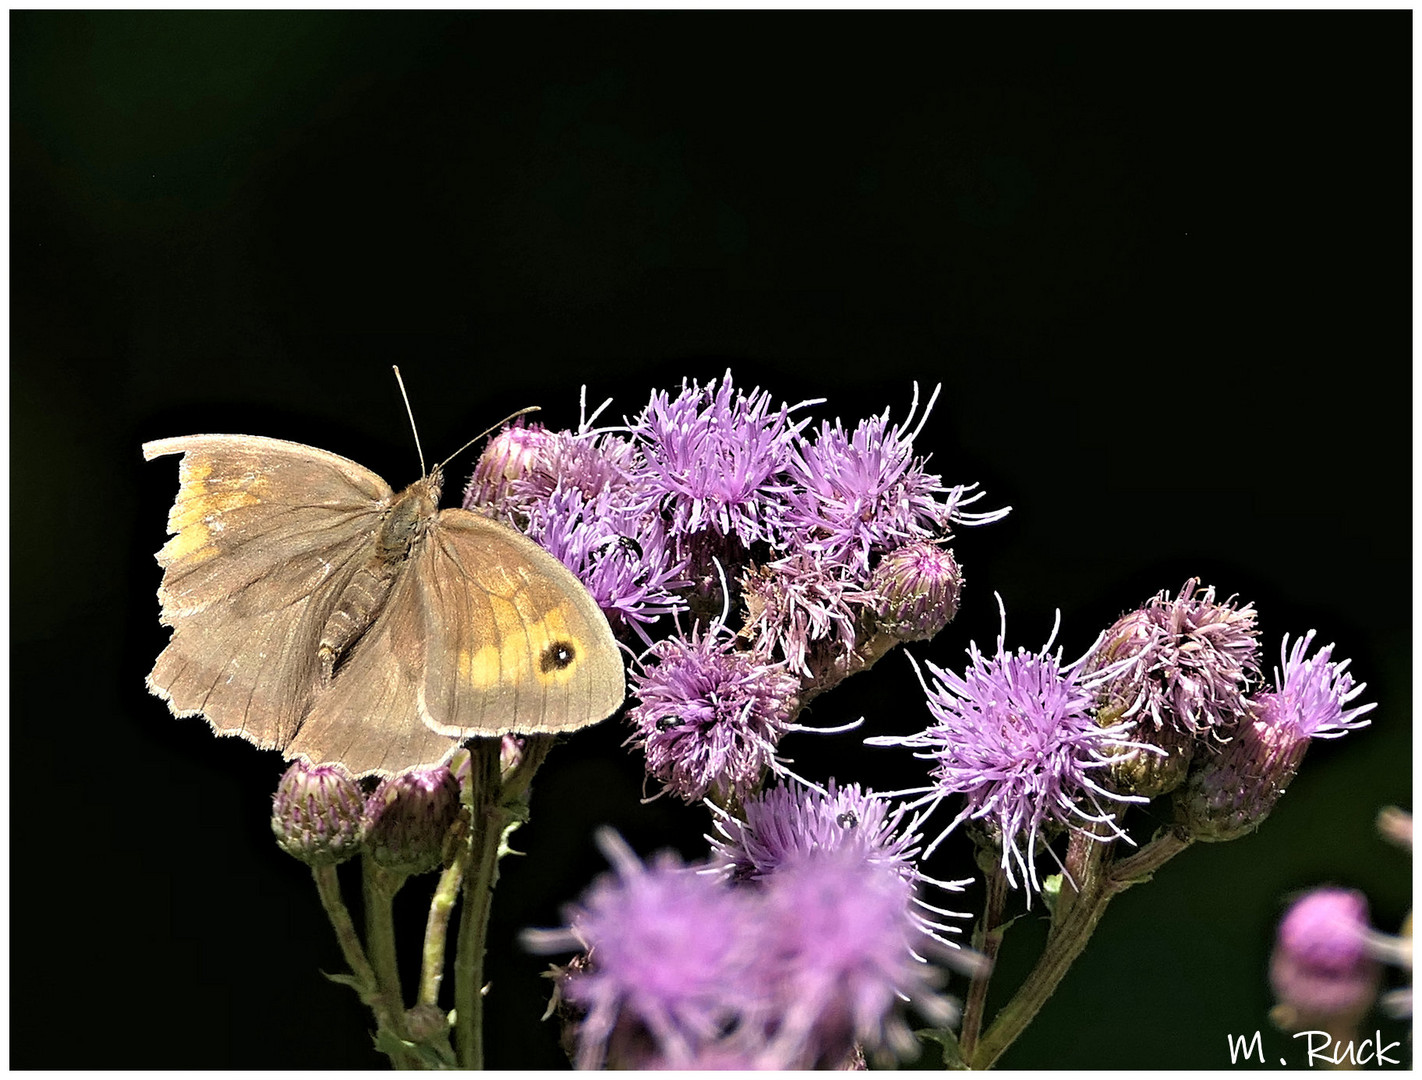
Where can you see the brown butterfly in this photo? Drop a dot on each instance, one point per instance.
(317, 612)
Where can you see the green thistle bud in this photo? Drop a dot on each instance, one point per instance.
(917, 586)
(407, 818)
(316, 813)
(1233, 791)
(1138, 771)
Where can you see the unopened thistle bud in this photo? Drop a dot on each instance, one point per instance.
(316, 813)
(407, 818)
(917, 586)
(1233, 790)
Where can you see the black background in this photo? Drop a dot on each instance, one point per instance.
(1160, 263)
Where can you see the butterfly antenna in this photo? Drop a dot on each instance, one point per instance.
(501, 423)
(411, 413)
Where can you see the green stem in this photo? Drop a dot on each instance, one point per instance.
(437, 929)
(486, 825)
(380, 887)
(366, 984)
(1097, 880)
(989, 943)
(1078, 911)
(1139, 867)
(328, 887)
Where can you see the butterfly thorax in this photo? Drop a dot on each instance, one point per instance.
(407, 517)
(401, 527)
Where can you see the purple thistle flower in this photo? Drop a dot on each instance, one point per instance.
(1322, 967)
(861, 494)
(1191, 661)
(522, 466)
(708, 716)
(671, 956)
(790, 822)
(1015, 734)
(510, 454)
(616, 550)
(802, 609)
(682, 968)
(1309, 697)
(712, 461)
(842, 936)
(1236, 789)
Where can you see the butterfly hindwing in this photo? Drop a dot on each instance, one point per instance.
(369, 717)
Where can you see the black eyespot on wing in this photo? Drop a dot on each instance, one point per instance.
(557, 656)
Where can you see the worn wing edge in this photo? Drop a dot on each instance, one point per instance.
(181, 444)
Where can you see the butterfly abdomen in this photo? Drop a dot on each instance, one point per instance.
(364, 596)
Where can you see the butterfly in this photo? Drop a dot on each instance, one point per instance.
(317, 612)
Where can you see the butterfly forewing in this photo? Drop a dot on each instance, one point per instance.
(266, 535)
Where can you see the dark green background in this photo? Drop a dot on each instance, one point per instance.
(1160, 263)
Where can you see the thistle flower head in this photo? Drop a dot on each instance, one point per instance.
(1015, 735)
(407, 818)
(1232, 792)
(617, 550)
(1191, 661)
(316, 813)
(685, 968)
(858, 494)
(1309, 697)
(802, 609)
(843, 936)
(862, 492)
(1321, 967)
(712, 459)
(670, 952)
(790, 821)
(916, 589)
(509, 455)
(709, 716)
(521, 467)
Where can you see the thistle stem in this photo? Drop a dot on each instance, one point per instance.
(367, 985)
(1091, 881)
(486, 826)
(1139, 867)
(437, 929)
(380, 887)
(989, 943)
(328, 887)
